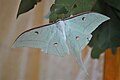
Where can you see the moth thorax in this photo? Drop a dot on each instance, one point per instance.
(61, 26)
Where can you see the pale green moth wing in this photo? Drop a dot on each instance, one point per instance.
(86, 23)
(79, 32)
(44, 37)
(76, 42)
(71, 34)
(57, 44)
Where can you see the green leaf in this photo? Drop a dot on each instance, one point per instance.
(113, 3)
(108, 34)
(65, 8)
(114, 50)
(26, 5)
(96, 51)
(57, 11)
(82, 6)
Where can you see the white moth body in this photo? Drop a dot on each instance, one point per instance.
(61, 26)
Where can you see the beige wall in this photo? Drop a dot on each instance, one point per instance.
(18, 64)
(28, 63)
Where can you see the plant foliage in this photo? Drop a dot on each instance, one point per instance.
(26, 5)
(105, 36)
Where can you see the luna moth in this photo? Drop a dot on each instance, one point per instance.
(66, 36)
